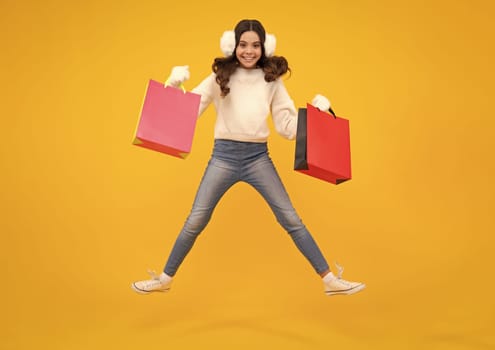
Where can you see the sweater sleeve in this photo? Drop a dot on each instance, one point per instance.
(284, 112)
(207, 90)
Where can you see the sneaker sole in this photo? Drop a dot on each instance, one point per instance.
(140, 291)
(347, 292)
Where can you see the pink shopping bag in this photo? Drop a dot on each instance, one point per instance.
(168, 120)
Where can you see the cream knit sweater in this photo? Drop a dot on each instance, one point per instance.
(242, 114)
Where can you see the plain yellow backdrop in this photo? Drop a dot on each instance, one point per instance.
(84, 212)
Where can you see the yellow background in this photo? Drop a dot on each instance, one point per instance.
(84, 212)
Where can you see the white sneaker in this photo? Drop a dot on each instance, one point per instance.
(337, 285)
(155, 284)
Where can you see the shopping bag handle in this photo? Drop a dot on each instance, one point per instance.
(167, 83)
(332, 112)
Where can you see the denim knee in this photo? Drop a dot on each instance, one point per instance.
(291, 222)
(196, 222)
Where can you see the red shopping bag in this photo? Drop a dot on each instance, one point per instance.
(323, 147)
(168, 120)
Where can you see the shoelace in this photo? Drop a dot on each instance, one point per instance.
(154, 279)
(340, 271)
(153, 275)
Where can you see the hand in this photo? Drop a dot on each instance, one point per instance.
(178, 75)
(321, 102)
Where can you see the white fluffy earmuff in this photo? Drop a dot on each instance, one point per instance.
(227, 43)
(270, 44)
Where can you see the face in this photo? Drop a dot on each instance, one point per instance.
(248, 52)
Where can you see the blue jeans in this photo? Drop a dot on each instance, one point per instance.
(231, 162)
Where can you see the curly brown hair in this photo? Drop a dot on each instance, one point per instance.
(224, 67)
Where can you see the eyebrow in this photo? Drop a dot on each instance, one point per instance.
(245, 42)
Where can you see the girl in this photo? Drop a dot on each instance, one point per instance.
(245, 87)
